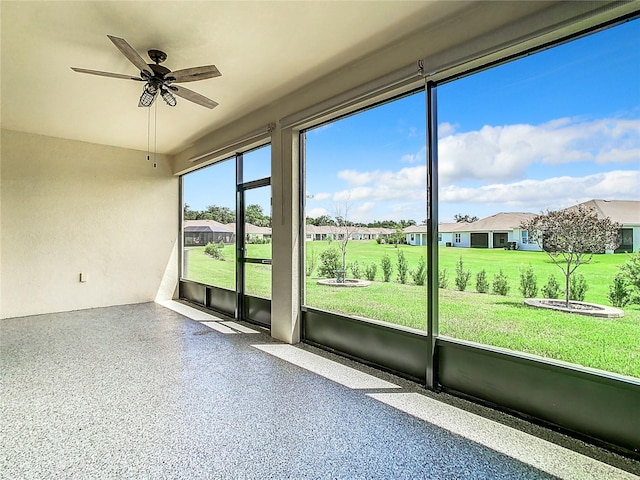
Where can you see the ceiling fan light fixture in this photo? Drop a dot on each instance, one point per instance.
(168, 98)
(148, 95)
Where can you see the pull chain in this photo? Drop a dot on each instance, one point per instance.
(155, 136)
(148, 134)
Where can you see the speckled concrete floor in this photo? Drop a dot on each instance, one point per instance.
(142, 391)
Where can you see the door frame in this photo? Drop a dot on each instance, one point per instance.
(249, 308)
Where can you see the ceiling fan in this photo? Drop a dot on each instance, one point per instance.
(158, 78)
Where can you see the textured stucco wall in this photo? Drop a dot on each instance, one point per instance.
(69, 207)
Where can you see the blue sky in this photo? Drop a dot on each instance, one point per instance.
(546, 131)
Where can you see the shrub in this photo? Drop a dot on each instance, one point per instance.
(378, 240)
(312, 260)
(387, 268)
(403, 267)
(482, 284)
(500, 285)
(631, 272)
(443, 279)
(355, 269)
(462, 276)
(577, 288)
(419, 275)
(528, 282)
(215, 250)
(329, 262)
(370, 272)
(551, 289)
(253, 240)
(210, 248)
(619, 294)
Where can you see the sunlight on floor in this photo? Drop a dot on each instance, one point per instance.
(534, 451)
(327, 368)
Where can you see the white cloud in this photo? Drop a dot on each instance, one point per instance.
(445, 129)
(317, 212)
(419, 157)
(353, 177)
(490, 169)
(503, 153)
(406, 183)
(557, 192)
(362, 212)
(319, 196)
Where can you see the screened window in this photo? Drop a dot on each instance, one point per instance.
(365, 184)
(208, 228)
(550, 131)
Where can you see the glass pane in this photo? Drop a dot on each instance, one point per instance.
(258, 222)
(208, 229)
(257, 281)
(256, 164)
(547, 132)
(365, 253)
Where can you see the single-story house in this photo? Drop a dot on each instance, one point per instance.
(624, 212)
(252, 231)
(503, 229)
(447, 232)
(415, 235)
(201, 232)
(491, 232)
(496, 231)
(326, 232)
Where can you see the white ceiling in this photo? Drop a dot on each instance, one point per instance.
(263, 49)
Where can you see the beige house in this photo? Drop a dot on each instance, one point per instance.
(326, 232)
(502, 230)
(624, 212)
(496, 231)
(252, 231)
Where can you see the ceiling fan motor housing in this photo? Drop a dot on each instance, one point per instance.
(159, 70)
(157, 56)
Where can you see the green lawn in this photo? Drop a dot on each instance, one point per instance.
(502, 321)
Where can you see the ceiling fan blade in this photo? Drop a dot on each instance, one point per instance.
(105, 74)
(193, 96)
(129, 52)
(195, 73)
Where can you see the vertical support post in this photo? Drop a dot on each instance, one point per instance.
(183, 255)
(432, 236)
(302, 200)
(239, 238)
(286, 275)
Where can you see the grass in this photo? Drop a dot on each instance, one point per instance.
(501, 321)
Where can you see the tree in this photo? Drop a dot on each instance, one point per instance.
(343, 229)
(462, 276)
(253, 214)
(219, 214)
(397, 237)
(189, 214)
(322, 220)
(571, 237)
(459, 218)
